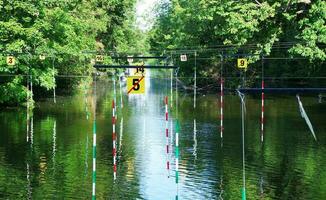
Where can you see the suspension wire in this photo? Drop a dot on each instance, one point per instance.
(188, 77)
(184, 49)
(184, 77)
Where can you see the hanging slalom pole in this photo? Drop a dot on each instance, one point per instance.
(222, 108)
(177, 129)
(262, 103)
(243, 191)
(114, 91)
(221, 100)
(171, 88)
(27, 109)
(31, 87)
(94, 144)
(167, 135)
(305, 116)
(114, 151)
(195, 80)
(120, 88)
(54, 82)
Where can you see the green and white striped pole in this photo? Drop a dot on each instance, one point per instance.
(177, 128)
(94, 145)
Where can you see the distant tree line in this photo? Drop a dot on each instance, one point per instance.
(248, 28)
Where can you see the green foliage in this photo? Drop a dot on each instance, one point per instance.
(61, 30)
(276, 28)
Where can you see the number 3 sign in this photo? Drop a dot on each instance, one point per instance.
(11, 60)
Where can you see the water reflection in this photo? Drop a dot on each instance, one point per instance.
(52, 159)
(195, 142)
(120, 138)
(29, 186)
(221, 188)
(54, 146)
(31, 135)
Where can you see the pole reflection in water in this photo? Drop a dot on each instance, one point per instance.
(114, 150)
(28, 177)
(195, 141)
(54, 137)
(32, 131)
(87, 117)
(220, 197)
(120, 138)
(177, 159)
(30, 123)
(27, 126)
(261, 186)
(167, 136)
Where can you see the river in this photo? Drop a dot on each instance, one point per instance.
(49, 156)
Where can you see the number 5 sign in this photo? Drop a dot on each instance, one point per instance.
(242, 63)
(11, 60)
(136, 85)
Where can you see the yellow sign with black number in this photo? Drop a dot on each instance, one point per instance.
(11, 60)
(242, 63)
(136, 85)
(99, 58)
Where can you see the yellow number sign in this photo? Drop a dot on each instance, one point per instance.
(42, 57)
(136, 85)
(242, 63)
(11, 60)
(99, 58)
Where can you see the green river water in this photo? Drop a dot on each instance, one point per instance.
(52, 157)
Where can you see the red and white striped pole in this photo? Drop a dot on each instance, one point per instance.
(221, 107)
(262, 109)
(114, 151)
(167, 133)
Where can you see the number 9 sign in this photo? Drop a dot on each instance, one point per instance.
(242, 63)
(11, 60)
